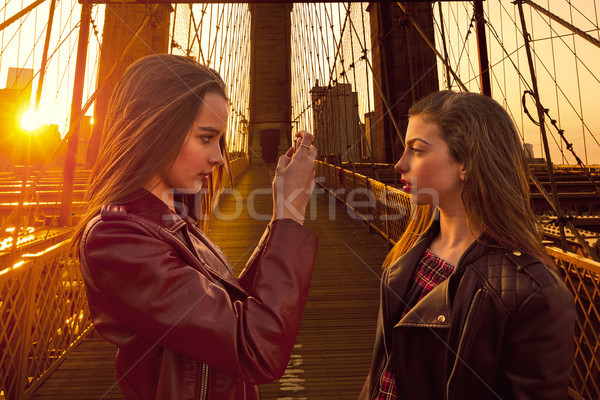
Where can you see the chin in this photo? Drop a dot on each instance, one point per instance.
(192, 188)
(423, 200)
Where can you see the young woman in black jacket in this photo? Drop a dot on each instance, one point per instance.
(470, 305)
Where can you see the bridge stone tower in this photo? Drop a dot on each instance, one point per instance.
(405, 67)
(131, 31)
(270, 82)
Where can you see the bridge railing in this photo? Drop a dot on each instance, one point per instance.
(582, 277)
(43, 315)
(387, 210)
(237, 166)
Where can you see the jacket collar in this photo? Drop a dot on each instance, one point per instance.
(398, 277)
(434, 310)
(145, 204)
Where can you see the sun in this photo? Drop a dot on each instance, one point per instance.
(32, 120)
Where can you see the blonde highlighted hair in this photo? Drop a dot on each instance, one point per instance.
(481, 136)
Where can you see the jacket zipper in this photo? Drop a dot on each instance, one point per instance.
(204, 383)
(461, 341)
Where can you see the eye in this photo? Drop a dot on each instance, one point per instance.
(206, 138)
(415, 150)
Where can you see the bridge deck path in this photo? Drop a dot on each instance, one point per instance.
(333, 350)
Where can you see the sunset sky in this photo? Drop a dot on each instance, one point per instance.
(568, 67)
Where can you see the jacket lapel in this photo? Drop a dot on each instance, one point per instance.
(432, 311)
(397, 280)
(200, 252)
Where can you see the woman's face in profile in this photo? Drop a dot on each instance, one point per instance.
(429, 173)
(201, 150)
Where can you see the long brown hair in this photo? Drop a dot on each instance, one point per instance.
(149, 115)
(481, 136)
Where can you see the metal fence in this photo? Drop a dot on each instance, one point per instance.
(387, 210)
(43, 315)
(237, 166)
(582, 277)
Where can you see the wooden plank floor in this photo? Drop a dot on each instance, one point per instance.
(87, 374)
(333, 350)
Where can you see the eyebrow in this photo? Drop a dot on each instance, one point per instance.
(209, 129)
(412, 141)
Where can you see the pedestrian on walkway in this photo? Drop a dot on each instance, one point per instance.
(158, 288)
(471, 308)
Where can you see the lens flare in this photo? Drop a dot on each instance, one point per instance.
(32, 120)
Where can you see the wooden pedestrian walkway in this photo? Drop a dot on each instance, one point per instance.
(332, 354)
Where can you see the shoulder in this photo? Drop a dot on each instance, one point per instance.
(116, 229)
(119, 243)
(514, 277)
(113, 218)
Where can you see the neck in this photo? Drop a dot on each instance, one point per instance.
(455, 236)
(160, 190)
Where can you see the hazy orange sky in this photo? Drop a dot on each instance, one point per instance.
(577, 82)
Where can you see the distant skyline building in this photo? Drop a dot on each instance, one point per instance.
(14, 100)
(336, 122)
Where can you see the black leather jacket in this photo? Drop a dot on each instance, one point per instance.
(501, 327)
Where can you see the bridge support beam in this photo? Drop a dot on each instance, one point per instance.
(404, 67)
(131, 31)
(270, 76)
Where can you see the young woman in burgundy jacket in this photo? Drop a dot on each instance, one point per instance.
(158, 288)
(471, 308)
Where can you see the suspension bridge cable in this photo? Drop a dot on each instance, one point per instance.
(555, 84)
(462, 86)
(173, 43)
(579, 116)
(596, 14)
(18, 15)
(188, 49)
(443, 40)
(524, 81)
(564, 23)
(383, 97)
(196, 35)
(583, 14)
(17, 33)
(219, 19)
(31, 190)
(579, 90)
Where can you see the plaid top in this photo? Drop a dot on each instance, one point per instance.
(430, 272)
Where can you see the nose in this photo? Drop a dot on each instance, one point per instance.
(216, 157)
(401, 166)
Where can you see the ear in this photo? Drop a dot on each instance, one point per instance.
(462, 173)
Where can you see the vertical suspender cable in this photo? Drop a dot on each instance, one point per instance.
(443, 33)
(38, 94)
(484, 68)
(71, 157)
(172, 44)
(540, 111)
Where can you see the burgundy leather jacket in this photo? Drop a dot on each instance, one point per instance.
(501, 327)
(185, 327)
